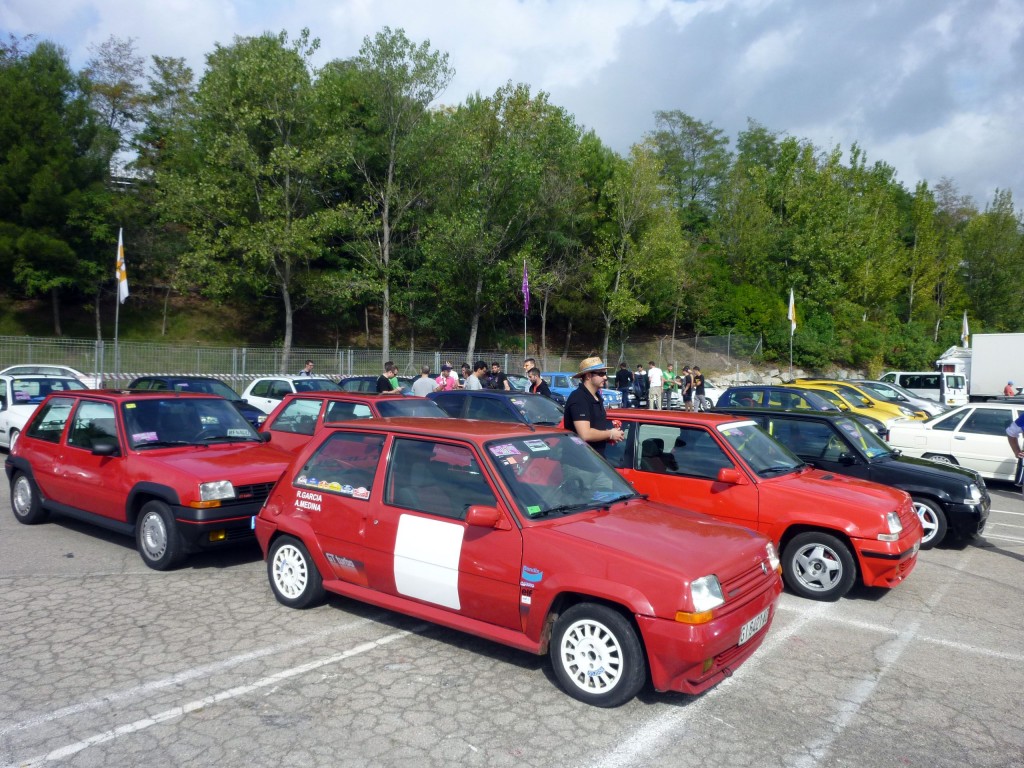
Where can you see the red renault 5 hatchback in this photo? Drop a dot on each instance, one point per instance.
(178, 471)
(524, 536)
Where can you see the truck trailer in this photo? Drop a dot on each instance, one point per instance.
(993, 360)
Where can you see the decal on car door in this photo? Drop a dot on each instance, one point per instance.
(427, 556)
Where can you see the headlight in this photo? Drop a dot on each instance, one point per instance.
(218, 489)
(892, 519)
(974, 493)
(706, 593)
(773, 556)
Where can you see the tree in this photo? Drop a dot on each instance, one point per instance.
(401, 80)
(51, 166)
(257, 220)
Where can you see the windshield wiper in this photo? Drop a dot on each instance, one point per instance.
(564, 509)
(161, 444)
(779, 469)
(228, 438)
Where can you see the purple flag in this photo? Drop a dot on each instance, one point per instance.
(526, 289)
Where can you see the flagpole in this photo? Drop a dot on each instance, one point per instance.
(121, 292)
(526, 303)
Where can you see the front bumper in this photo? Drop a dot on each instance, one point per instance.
(693, 658)
(216, 526)
(965, 521)
(886, 564)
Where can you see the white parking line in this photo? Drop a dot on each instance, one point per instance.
(179, 677)
(169, 714)
(653, 733)
(1014, 539)
(1005, 512)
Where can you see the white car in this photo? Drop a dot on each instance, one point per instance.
(60, 371)
(19, 396)
(266, 392)
(972, 436)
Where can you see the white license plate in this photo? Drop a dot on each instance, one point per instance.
(752, 627)
(252, 523)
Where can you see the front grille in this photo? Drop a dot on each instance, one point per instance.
(250, 494)
(743, 587)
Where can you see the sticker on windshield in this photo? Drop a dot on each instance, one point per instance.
(576, 439)
(506, 449)
(144, 437)
(850, 429)
(238, 433)
(536, 445)
(532, 510)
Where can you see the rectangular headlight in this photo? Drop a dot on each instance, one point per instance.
(707, 593)
(974, 493)
(773, 556)
(216, 490)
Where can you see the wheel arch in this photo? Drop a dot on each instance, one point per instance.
(145, 492)
(563, 601)
(795, 530)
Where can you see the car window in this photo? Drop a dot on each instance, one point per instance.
(690, 451)
(950, 422)
(312, 385)
(278, 389)
(451, 404)
(410, 406)
(744, 398)
(889, 377)
(344, 464)
(141, 384)
(620, 454)
(804, 438)
(342, 410)
(94, 424)
(561, 381)
(488, 409)
(48, 423)
(261, 388)
(435, 478)
(298, 417)
(987, 421)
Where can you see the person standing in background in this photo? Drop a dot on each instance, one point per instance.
(655, 386)
(584, 408)
(537, 384)
(307, 369)
(385, 383)
(473, 381)
(424, 385)
(624, 383)
(446, 381)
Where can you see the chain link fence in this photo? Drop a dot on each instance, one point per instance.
(117, 364)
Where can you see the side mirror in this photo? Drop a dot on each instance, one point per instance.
(847, 459)
(265, 436)
(486, 517)
(103, 447)
(730, 475)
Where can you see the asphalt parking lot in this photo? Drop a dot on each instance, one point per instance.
(104, 662)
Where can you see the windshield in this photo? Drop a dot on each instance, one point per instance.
(410, 407)
(537, 409)
(315, 385)
(34, 391)
(852, 395)
(887, 391)
(864, 438)
(159, 422)
(833, 398)
(556, 474)
(207, 386)
(765, 455)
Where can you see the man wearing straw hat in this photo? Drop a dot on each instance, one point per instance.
(584, 408)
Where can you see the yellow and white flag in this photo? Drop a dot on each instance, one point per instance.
(121, 274)
(791, 316)
(965, 332)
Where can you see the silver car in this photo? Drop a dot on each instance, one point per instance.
(893, 393)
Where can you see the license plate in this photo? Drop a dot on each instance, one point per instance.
(252, 523)
(752, 627)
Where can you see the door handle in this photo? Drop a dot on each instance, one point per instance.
(959, 437)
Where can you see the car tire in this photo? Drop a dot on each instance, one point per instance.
(25, 502)
(818, 566)
(12, 439)
(293, 575)
(597, 656)
(940, 458)
(933, 519)
(157, 537)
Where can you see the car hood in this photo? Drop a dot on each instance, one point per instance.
(241, 463)
(833, 491)
(658, 533)
(913, 469)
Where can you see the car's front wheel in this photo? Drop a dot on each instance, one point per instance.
(25, 501)
(157, 537)
(597, 656)
(818, 566)
(933, 520)
(293, 575)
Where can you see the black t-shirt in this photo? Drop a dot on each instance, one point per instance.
(497, 381)
(541, 388)
(623, 379)
(687, 381)
(583, 406)
(698, 383)
(384, 384)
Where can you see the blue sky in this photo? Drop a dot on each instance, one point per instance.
(934, 88)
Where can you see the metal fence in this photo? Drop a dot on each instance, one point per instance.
(118, 364)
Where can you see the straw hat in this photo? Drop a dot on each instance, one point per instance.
(590, 365)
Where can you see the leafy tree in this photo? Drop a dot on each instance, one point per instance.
(401, 80)
(257, 221)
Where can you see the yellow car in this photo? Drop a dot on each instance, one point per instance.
(860, 400)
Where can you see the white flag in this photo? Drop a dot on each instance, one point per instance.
(792, 314)
(121, 274)
(965, 332)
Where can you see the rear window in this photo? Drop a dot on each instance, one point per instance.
(48, 423)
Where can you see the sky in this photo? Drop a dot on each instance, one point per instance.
(933, 88)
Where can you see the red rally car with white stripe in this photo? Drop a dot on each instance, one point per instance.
(525, 537)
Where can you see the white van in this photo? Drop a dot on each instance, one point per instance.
(927, 383)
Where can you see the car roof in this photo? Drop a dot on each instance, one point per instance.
(184, 377)
(681, 417)
(468, 429)
(125, 395)
(801, 412)
(487, 393)
(366, 397)
(37, 376)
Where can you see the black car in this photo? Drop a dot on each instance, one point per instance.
(499, 405)
(791, 398)
(204, 384)
(949, 499)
